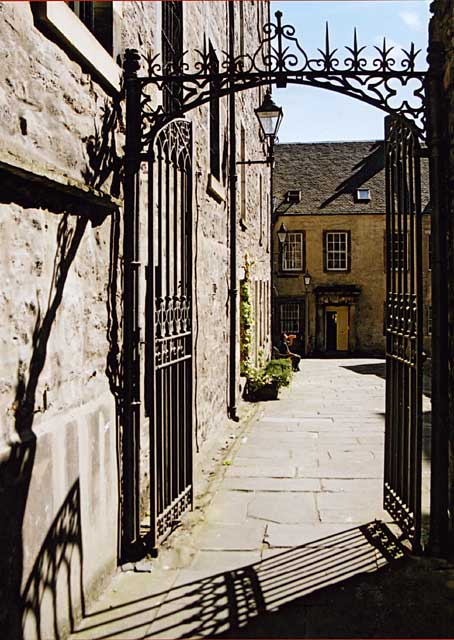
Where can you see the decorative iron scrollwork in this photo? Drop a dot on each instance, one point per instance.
(172, 326)
(388, 79)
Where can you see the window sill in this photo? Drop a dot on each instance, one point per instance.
(73, 35)
(215, 189)
(53, 191)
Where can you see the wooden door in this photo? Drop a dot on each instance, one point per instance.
(342, 329)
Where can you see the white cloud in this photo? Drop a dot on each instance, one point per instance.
(411, 19)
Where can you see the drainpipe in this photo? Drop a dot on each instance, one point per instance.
(131, 368)
(232, 409)
(439, 496)
(273, 274)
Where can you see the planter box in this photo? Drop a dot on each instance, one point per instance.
(267, 392)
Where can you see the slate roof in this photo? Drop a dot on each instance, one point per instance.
(328, 175)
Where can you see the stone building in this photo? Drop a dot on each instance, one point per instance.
(64, 456)
(331, 199)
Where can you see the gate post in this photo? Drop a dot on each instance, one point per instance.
(438, 539)
(130, 440)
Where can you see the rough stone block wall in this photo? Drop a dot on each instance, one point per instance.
(58, 431)
(60, 324)
(212, 228)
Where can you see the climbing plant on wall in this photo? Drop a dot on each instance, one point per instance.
(246, 320)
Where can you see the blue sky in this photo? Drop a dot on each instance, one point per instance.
(312, 115)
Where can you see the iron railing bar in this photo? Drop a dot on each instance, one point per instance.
(388, 319)
(175, 336)
(150, 333)
(414, 328)
(419, 360)
(406, 275)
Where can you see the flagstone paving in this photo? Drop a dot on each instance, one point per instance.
(287, 518)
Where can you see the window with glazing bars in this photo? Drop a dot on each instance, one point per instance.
(172, 51)
(98, 18)
(290, 317)
(292, 252)
(337, 250)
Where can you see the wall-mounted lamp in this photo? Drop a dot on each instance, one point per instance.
(307, 279)
(270, 117)
(282, 233)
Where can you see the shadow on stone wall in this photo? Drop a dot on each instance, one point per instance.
(55, 584)
(104, 162)
(16, 471)
(114, 366)
(59, 563)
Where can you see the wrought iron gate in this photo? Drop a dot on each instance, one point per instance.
(168, 381)
(278, 60)
(404, 328)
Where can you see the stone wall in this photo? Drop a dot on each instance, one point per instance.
(62, 132)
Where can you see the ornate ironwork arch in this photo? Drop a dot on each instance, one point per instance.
(388, 79)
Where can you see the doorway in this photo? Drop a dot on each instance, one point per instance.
(337, 329)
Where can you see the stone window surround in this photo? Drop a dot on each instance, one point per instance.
(298, 270)
(296, 304)
(325, 251)
(70, 31)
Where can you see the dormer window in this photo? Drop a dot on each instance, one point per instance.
(293, 196)
(363, 195)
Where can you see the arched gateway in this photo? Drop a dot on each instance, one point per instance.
(161, 139)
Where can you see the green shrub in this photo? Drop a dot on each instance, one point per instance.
(257, 379)
(280, 371)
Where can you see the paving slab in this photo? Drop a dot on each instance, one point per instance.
(371, 488)
(333, 469)
(352, 514)
(196, 607)
(128, 607)
(281, 533)
(293, 535)
(213, 562)
(231, 537)
(283, 507)
(273, 484)
(229, 507)
(248, 468)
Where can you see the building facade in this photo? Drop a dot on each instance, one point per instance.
(63, 439)
(330, 272)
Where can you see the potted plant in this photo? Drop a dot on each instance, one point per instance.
(264, 383)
